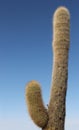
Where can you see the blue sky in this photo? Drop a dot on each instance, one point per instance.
(26, 54)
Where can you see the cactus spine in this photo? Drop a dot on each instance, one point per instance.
(54, 117)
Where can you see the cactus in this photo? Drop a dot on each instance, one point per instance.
(54, 117)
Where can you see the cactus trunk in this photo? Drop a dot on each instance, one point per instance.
(55, 116)
(61, 40)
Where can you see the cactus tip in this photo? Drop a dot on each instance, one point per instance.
(60, 10)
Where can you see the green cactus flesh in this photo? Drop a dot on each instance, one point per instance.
(55, 118)
(35, 104)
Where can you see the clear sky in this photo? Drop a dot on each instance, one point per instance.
(26, 54)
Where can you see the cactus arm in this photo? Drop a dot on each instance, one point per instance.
(35, 104)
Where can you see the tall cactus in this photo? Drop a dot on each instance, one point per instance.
(54, 117)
